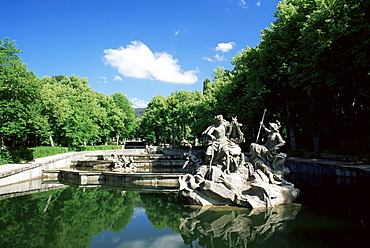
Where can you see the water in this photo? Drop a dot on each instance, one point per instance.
(327, 214)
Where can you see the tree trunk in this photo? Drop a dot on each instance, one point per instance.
(293, 144)
(24, 141)
(2, 145)
(316, 144)
(51, 140)
(173, 136)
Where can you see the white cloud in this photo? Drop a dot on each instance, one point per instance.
(258, 3)
(136, 103)
(177, 32)
(138, 211)
(169, 240)
(243, 4)
(225, 47)
(117, 78)
(138, 61)
(103, 80)
(219, 57)
(208, 59)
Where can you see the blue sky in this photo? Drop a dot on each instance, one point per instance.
(140, 48)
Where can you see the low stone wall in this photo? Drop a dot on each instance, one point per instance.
(16, 173)
(321, 167)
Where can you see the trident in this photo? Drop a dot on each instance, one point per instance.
(259, 130)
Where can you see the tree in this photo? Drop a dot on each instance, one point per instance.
(127, 115)
(310, 69)
(182, 107)
(154, 124)
(19, 98)
(74, 113)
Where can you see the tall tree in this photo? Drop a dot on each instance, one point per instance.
(19, 97)
(127, 115)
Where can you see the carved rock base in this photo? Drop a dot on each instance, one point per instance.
(241, 189)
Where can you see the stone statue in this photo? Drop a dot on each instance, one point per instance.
(184, 142)
(223, 149)
(121, 163)
(226, 178)
(267, 158)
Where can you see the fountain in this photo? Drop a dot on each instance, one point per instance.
(224, 175)
(226, 178)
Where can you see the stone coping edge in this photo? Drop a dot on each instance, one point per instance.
(12, 169)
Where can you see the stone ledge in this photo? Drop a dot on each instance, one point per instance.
(12, 169)
(295, 164)
(327, 167)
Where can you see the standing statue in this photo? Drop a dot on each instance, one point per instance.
(267, 158)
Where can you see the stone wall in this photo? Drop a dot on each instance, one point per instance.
(16, 173)
(327, 167)
(25, 174)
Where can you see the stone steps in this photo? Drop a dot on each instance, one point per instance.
(167, 180)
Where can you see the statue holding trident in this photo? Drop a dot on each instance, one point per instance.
(226, 178)
(266, 157)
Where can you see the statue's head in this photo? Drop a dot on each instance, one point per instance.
(275, 126)
(219, 118)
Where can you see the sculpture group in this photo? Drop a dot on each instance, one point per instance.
(228, 177)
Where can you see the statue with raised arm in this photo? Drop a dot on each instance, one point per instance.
(267, 158)
(226, 178)
(223, 149)
(217, 140)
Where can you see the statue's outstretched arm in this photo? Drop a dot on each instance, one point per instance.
(210, 133)
(265, 128)
(280, 141)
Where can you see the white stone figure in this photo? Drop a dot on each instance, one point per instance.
(223, 150)
(227, 179)
(267, 158)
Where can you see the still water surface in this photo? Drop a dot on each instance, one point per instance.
(326, 215)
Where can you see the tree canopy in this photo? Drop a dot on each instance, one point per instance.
(56, 110)
(311, 71)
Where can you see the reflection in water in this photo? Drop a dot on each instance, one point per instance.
(66, 217)
(224, 227)
(77, 217)
(330, 216)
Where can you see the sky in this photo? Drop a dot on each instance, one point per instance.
(141, 48)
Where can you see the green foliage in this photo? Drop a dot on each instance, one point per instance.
(57, 110)
(44, 151)
(20, 106)
(307, 71)
(171, 119)
(311, 72)
(6, 157)
(82, 114)
(97, 148)
(163, 210)
(67, 217)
